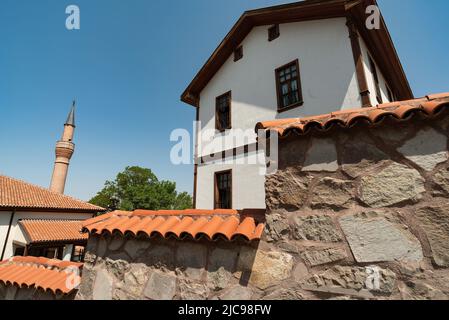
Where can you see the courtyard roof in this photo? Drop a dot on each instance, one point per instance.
(17, 194)
(50, 275)
(61, 231)
(429, 106)
(179, 224)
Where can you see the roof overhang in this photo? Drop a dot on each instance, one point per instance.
(378, 41)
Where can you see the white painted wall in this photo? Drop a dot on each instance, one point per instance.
(328, 82)
(248, 183)
(370, 76)
(327, 74)
(17, 235)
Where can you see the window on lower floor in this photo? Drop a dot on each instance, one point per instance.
(223, 112)
(288, 85)
(223, 190)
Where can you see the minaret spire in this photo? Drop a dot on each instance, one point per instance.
(71, 117)
(64, 151)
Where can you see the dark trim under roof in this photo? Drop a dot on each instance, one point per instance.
(378, 41)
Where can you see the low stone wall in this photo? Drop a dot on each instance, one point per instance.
(118, 268)
(365, 212)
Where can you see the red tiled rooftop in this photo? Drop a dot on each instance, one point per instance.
(50, 275)
(428, 106)
(53, 230)
(16, 194)
(178, 224)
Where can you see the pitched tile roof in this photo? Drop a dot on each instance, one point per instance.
(17, 194)
(53, 230)
(182, 224)
(50, 275)
(428, 106)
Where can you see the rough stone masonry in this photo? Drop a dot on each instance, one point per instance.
(359, 213)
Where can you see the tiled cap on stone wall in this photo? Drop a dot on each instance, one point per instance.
(49, 275)
(179, 224)
(428, 106)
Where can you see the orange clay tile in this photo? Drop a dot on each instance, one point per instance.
(177, 224)
(38, 231)
(428, 106)
(55, 276)
(17, 194)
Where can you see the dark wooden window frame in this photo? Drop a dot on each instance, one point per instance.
(390, 94)
(373, 68)
(217, 122)
(238, 53)
(273, 32)
(281, 107)
(216, 191)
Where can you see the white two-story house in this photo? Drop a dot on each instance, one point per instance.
(295, 60)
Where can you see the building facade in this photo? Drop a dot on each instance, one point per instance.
(289, 61)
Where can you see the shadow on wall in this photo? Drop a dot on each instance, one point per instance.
(121, 269)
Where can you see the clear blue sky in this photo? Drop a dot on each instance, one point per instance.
(127, 67)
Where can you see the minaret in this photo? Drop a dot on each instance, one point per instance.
(64, 151)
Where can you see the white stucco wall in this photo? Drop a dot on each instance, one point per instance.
(16, 234)
(328, 78)
(248, 183)
(370, 76)
(328, 81)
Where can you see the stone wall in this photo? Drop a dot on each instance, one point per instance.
(365, 212)
(353, 214)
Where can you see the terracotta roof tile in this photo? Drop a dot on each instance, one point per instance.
(53, 230)
(50, 275)
(180, 224)
(22, 195)
(428, 106)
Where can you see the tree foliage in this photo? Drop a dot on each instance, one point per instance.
(139, 188)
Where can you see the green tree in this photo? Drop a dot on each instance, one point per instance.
(139, 188)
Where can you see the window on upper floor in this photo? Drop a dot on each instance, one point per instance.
(223, 112)
(223, 190)
(238, 53)
(288, 85)
(273, 32)
(376, 80)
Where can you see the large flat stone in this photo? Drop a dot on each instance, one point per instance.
(322, 156)
(316, 228)
(324, 256)
(102, 286)
(427, 149)
(286, 189)
(160, 286)
(441, 178)
(333, 194)
(277, 227)
(266, 268)
(434, 220)
(374, 239)
(392, 185)
(360, 280)
(360, 154)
